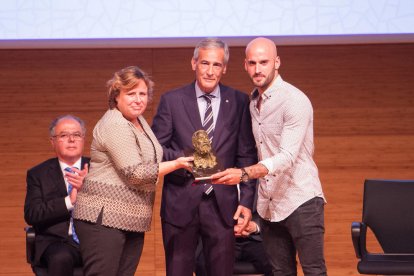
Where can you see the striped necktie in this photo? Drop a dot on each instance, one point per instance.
(208, 127)
(208, 123)
(74, 236)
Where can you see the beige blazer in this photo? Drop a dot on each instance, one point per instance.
(123, 174)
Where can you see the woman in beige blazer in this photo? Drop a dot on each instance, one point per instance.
(114, 206)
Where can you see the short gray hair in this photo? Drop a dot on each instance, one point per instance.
(209, 43)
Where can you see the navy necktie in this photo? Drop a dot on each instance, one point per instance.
(74, 236)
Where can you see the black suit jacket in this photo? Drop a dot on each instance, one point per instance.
(45, 206)
(176, 120)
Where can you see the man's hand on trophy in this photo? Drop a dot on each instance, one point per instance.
(231, 176)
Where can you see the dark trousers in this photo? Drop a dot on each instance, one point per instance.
(108, 251)
(61, 257)
(252, 251)
(246, 250)
(180, 243)
(301, 232)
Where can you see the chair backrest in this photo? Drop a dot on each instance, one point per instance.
(389, 212)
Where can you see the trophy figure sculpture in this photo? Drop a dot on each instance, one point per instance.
(205, 163)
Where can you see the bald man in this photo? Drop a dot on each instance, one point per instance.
(291, 200)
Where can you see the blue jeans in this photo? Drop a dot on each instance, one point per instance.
(300, 232)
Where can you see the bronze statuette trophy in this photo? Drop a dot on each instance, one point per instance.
(205, 163)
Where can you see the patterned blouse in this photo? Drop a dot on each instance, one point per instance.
(123, 174)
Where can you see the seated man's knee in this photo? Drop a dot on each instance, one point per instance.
(63, 258)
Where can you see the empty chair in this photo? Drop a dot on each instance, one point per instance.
(388, 210)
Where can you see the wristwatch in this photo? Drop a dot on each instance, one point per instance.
(244, 176)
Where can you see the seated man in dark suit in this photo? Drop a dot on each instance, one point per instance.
(51, 194)
(248, 248)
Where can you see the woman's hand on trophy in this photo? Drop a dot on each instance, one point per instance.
(185, 163)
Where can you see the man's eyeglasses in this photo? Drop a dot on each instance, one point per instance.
(65, 136)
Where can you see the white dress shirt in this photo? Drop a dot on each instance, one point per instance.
(68, 202)
(202, 103)
(283, 130)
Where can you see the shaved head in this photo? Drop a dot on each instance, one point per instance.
(264, 43)
(262, 62)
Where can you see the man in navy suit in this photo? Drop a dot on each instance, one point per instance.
(51, 195)
(191, 210)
